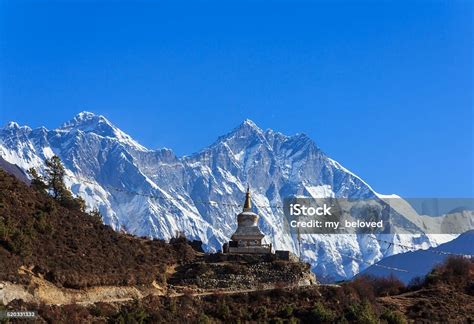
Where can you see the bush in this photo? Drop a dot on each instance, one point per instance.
(455, 267)
(368, 287)
(387, 286)
(363, 288)
(134, 314)
(361, 313)
(321, 314)
(42, 224)
(204, 319)
(21, 244)
(392, 317)
(287, 311)
(261, 313)
(454, 270)
(223, 310)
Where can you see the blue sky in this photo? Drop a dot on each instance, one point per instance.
(384, 87)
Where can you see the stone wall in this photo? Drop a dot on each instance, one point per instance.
(233, 271)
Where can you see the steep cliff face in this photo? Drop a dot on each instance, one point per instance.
(155, 193)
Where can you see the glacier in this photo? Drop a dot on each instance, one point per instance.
(156, 194)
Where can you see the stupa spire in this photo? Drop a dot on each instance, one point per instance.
(248, 200)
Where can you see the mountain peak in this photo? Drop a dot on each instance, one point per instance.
(249, 123)
(89, 122)
(247, 131)
(15, 126)
(248, 126)
(87, 115)
(12, 124)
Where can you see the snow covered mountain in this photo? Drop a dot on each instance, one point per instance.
(419, 263)
(155, 193)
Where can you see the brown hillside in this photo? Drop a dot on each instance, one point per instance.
(72, 249)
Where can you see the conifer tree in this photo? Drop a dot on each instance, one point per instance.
(37, 181)
(53, 182)
(55, 178)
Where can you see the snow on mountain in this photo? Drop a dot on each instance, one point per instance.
(155, 193)
(88, 122)
(419, 263)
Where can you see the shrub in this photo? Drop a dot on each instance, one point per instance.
(392, 317)
(21, 244)
(262, 313)
(363, 288)
(287, 311)
(454, 270)
(204, 319)
(293, 320)
(49, 207)
(42, 223)
(455, 267)
(321, 314)
(134, 314)
(223, 310)
(368, 287)
(387, 286)
(361, 313)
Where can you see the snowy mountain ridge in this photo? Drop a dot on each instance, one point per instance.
(155, 193)
(420, 263)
